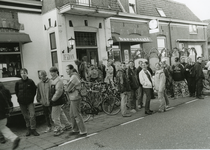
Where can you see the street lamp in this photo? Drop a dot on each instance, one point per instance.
(71, 44)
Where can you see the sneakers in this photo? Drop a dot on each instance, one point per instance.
(167, 107)
(34, 132)
(49, 129)
(66, 128)
(133, 111)
(58, 132)
(127, 115)
(2, 140)
(73, 133)
(16, 143)
(81, 135)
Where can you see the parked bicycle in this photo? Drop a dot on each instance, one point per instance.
(98, 97)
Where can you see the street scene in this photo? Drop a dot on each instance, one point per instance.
(104, 74)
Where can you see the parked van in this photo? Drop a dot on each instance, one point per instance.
(9, 83)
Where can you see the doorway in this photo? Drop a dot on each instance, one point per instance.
(92, 55)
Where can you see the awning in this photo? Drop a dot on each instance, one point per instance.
(14, 37)
(191, 40)
(131, 38)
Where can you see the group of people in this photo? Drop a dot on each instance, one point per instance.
(51, 93)
(185, 79)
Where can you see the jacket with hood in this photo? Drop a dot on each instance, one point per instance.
(43, 92)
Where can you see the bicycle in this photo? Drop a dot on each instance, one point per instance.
(108, 102)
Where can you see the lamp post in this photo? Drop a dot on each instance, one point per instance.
(71, 42)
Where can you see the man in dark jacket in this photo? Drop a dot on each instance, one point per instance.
(3, 121)
(123, 87)
(199, 76)
(134, 84)
(25, 90)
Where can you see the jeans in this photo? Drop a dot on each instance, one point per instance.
(161, 96)
(124, 99)
(134, 98)
(166, 98)
(47, 113)
(58, 115)
(148, 92)
(6, 131)
(141, 94)
(76, 117)
(28, 112)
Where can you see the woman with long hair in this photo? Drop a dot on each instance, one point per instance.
(72, 88)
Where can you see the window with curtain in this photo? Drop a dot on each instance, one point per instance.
(52, 41)
(161, 43)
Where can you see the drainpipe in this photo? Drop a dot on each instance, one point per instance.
(169, 27)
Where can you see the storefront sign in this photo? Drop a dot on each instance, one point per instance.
(68, 57)
(143, 39)
(153, 26)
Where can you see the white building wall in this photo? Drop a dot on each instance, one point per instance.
(34, 55)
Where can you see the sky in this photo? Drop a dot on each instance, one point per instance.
(201, 8)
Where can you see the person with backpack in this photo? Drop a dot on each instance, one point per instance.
(25, 90)
(190, 76)
(5, 106)
(57, 101)
(72, 88)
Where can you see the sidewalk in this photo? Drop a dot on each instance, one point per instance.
(96, 124)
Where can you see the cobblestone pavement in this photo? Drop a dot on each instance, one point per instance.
(98, 123)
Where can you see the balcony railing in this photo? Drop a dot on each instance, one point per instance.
(100, 4)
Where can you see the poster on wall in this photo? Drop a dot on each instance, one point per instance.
(126, 55)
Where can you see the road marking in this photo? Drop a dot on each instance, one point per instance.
(132, 121)
(191, 101)
(170, 108)
(77, 139)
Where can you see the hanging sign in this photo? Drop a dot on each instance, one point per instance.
(154, 26)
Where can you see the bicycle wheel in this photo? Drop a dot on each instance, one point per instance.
(85, 107)
(111, 105)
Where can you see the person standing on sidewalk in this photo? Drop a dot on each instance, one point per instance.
(146, 81)
(57, 101)
(4, 106)
(159, 86)
(72, 88)
(199, 76)
(141, 92)
(190, 76)
(123, 87)
(43, 97)
(134, 84)
(25, 90)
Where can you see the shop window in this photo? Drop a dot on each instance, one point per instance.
(54, 59)
(132, 6)
(85, 39)
(193, 29)
(11, 47)
(84, 2)
(161, 43)
(134, 49)
(161, 12)
(52, 41)
(10, 65)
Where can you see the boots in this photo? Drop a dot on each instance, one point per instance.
(28, 133)
(34, 132)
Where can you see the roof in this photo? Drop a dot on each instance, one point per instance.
(208, 29)
(172, 9)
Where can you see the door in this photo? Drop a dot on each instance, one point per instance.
(91, 54)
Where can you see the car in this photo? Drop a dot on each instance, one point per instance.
(9, 83)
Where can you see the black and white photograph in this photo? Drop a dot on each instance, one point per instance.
(104, 74)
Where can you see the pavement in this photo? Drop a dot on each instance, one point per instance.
(96, 124)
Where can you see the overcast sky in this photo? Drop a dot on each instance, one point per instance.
(201, 8)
